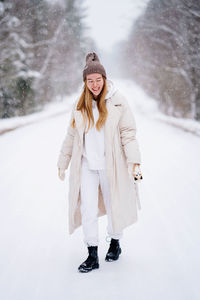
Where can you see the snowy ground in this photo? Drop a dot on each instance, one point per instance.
(50, 110)
(160, 254)
(59, 107)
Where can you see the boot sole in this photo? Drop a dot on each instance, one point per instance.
(110, 259)
(96, 266)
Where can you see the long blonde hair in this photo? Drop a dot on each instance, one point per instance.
(85, 106)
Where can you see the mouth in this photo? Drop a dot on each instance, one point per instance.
(96, 90)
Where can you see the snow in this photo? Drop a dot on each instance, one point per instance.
(29, 73)
(1, 8)
(50, 110)
(160, 253)
(144, 103)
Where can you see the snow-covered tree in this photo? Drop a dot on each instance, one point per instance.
(61, 68)
(16, 94)
(42, 49)
(162, 54)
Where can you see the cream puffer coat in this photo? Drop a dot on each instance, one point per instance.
(121, 148)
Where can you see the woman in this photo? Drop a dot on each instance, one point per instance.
(104, 154)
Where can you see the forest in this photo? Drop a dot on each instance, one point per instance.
(162, 54)
(42, 47)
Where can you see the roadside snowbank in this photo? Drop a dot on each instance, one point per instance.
(50, 110)
(145, 105)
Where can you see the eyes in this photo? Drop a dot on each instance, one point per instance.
(91, 81)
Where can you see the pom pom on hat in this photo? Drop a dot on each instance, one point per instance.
(93, 65)
(92, 57)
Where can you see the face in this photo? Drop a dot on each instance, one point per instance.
(95, 83)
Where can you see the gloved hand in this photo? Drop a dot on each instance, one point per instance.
(61, 173)
(134, 171)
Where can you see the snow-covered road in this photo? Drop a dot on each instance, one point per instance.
(160, 254)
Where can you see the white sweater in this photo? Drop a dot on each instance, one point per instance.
(93, 149)
(93, 144)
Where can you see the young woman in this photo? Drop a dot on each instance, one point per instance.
(104, 153)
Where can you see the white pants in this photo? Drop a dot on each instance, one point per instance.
(90, 180)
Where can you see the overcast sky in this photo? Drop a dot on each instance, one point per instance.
(110, 20)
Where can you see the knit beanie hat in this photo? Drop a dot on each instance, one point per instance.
(93, 65)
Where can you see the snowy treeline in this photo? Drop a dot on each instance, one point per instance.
(42, 46)
(162, 54)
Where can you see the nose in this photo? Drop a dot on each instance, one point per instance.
(94, 84)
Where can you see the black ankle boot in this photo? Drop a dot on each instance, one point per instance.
(92, 262)
(114, 250)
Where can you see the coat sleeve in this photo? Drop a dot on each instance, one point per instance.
(127, 126)
(67, 146)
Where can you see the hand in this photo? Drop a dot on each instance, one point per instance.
(137, 172)
(134, 171)
(61, 174)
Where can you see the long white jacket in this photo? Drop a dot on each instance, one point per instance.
(121, 148)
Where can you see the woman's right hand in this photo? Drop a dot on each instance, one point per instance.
(61, 174)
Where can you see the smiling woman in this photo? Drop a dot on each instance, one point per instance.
(102, 147)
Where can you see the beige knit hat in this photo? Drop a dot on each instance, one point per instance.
(93, 65)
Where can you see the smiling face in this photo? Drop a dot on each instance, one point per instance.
(95, 83)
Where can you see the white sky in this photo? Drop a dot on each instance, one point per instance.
(111, 20)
